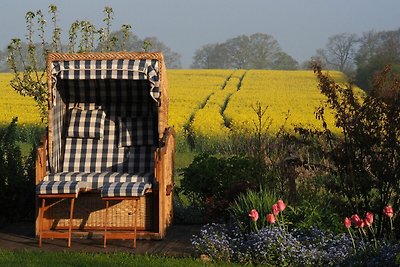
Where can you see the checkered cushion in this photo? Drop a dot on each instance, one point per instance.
(59, 187)
(137, 131)
(124, 189)
(95, 180)
(104, 155)
(86, 123)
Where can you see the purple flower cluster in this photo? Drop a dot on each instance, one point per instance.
(275, 246)
(214, 241)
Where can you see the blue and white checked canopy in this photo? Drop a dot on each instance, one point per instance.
(143, 69)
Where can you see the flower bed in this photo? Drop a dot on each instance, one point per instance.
(277, 245)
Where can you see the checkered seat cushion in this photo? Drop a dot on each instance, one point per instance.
(59, 187)
(96, 180)
(124, 189)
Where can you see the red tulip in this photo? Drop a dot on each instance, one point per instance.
(355, 219)
(275, 209)
(271, 218)
(253, 214)
(388, 210)
(360, 224)
(369, 218)
(281, 205)
(347, 223)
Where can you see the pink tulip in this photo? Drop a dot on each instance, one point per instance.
(355, 219)
(271, 218)
(360, 224)
(369, 218)
(347, 222)
(388, 210)
(253, 214)
(275, 209)
(281, 205)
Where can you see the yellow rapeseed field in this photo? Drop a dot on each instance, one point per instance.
(13, 104)
(291, 94)
(208, 100)
(209, 121)
(188, 91)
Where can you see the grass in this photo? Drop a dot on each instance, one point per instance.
(46, 258)
(182, 160)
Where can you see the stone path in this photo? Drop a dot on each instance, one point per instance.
(20, 236)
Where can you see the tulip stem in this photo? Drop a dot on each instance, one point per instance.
(391, 224)
(255, 225)
(352, 240)
(371, 229)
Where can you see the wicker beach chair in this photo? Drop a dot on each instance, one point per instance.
(109, 149)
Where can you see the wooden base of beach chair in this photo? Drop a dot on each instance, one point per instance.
(125, 234)
(42, 209)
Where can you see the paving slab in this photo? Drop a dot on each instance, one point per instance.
(20, 236)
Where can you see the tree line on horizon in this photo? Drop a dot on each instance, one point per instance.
(359, 57)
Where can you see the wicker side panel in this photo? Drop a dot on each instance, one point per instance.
(169, 180)
(89, 213)
(163, 108)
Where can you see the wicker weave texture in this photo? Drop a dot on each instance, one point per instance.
(89, 213)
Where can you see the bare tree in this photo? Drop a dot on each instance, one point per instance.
(238, 51)
(377, 49)
(339, 52)
(172, 59)
(264, 50)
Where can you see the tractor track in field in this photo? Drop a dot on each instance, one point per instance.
(227, 122)
(190, 135)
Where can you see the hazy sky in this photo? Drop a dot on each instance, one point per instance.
(300, 26)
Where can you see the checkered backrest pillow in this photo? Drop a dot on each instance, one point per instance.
(136, 131)
(86, 123)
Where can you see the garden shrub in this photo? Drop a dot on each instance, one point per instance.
(214, 182)
(17, 176)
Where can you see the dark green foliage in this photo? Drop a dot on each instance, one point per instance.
(215, 182)
(307, 215)
(17, 175)
(261, 200)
